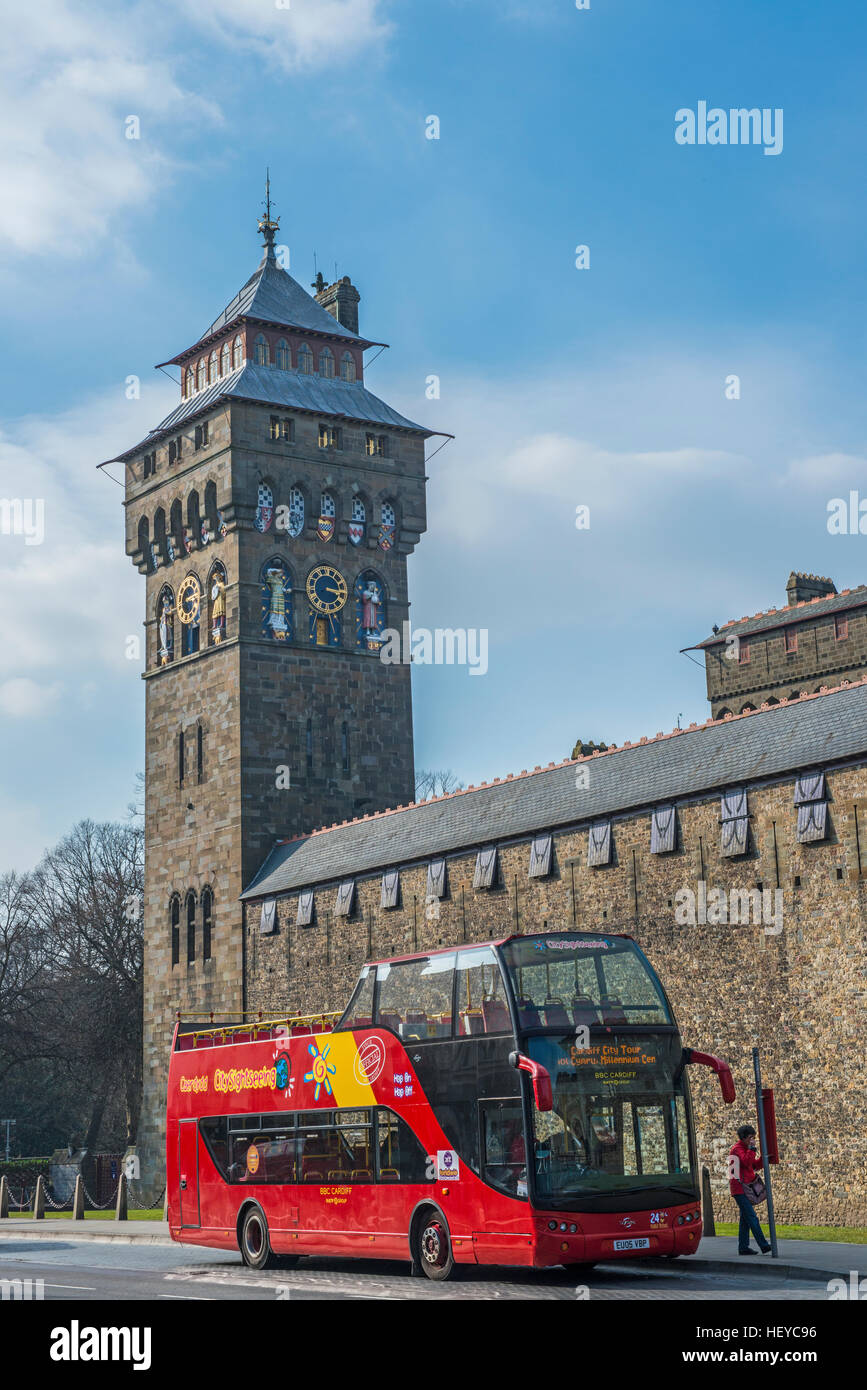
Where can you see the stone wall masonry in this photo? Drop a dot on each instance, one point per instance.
(800, 995)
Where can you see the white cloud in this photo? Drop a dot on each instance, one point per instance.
(828, 470)
(23, 698)
(296, 35)
(69, 78)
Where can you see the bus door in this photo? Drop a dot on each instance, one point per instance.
(188, 1167)
(504, 1232)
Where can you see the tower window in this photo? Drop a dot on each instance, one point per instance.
(175, 448)
(189, 382)
(791, 639)
(225, 359)
(309, 745)
(200, 753)
(329, 437)
(326, 363)
(347, 367)
(150, 465)
(237, 352)
(201, 435)
(181, 759)
(191, 927)
(344, 747)
(212, 367)
(175, 924)
(841, 628)
(743, 653)
(261, 351)
(305, 359)
(207, 909)
(284, 355)
(377, 445)
(282, 428)
(200, 375)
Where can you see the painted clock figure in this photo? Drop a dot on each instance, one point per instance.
(326, 589)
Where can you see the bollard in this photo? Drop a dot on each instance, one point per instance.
(78, 1199)
(708, 1224)
(121, 1207)
(39, 1200)
(4, 1196)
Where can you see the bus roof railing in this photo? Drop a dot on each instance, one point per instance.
(253, 1028)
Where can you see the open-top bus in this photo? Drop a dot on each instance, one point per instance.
(519, 1102)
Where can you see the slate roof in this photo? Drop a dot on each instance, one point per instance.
(290, 390)
(786, 617)
(271, 294)
(813, 731)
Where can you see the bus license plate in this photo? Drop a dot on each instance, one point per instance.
(638, 1243)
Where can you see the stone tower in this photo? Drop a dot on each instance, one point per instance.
(271, 513)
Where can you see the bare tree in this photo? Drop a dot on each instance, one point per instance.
(24, 982)
(430, 783)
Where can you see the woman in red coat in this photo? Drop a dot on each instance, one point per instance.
(743, 1165)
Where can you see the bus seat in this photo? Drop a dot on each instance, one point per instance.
(584, 1010)
(472, 1021)
(362, 1021)
(528, 1012)
(389, 1175)
(496, 1016)
(392, 1021)
(612, 1009)
(338, 1175)
(361, 1175)
(555, 1014)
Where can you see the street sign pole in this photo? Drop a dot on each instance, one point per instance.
(763, 1145)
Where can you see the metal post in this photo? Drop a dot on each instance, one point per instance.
(8, 1124)
(760, 1110)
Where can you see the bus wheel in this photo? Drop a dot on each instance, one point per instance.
(256, 1249)
(433, 1247)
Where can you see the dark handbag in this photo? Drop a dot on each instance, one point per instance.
(755, 1190)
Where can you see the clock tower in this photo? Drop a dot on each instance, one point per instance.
(271, 514)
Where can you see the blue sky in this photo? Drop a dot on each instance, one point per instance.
(602, 386)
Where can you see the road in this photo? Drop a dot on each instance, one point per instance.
(91, 1270)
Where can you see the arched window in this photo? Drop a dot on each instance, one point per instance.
(261, 352)
(370, 615)
(388, 522)
(357, 523)
(144, 544)
(237, 352)
(347, 367)
(296, 511)
(190, 381)
(284, 356)
(225, 359)
(217, 582)
(191, 926)
(276, 582)
(305, 359)
(207, 913)
(723, 712)
(748, 708)
(182, 758)
(344, 747)
(175, 927)
(200, 375)
(264, 507)
(160, 537)
(200, 752)
(165, 626)
(176, 527)
(326, 362)
(194, 523)
(212, 367)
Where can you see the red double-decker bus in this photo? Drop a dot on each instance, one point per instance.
(519, 1102)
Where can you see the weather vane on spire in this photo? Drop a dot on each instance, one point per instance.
(268, 225)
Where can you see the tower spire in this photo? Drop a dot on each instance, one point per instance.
(268, 225)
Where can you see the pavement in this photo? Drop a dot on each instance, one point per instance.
(798, 1259)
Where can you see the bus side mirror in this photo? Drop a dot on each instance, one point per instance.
(543, 1092)
(716, 1064)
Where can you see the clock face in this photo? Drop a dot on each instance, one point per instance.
(326, 589)
(189, 599)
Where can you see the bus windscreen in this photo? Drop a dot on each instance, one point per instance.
(573, 979)
(619, 1122)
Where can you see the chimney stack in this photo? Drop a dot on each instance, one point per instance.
(340, 300)
(802, 587)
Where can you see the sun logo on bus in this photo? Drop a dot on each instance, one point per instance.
(320, 1070)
